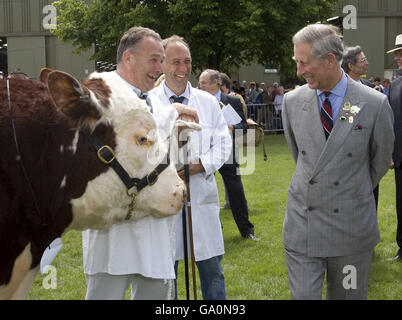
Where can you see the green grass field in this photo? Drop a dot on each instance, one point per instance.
(253, 270)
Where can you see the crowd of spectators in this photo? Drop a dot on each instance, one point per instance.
(264, 102)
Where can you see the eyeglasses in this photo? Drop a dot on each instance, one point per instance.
(363, 59)
(398, 53)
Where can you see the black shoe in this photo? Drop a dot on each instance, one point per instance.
(397, 257)
(252, 237)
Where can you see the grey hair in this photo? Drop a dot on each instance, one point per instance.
(350, 56)
(131, 39)
(324, 39)
(213, 75)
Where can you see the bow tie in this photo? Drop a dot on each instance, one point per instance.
(143, 96)
(177, 99)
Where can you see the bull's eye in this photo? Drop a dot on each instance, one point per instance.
(142, 140)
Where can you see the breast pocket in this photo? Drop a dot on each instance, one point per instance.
(357, 140)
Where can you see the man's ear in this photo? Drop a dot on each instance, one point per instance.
(331, 60)
(128, 57)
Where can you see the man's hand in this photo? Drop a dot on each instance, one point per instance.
(186, 113)
(392, 166)
(193, 168)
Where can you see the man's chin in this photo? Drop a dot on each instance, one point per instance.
(312, 85)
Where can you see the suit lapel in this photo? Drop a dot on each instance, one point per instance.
(311, 119)
(342, 128)
(224, 99)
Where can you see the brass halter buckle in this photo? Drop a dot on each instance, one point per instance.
(152, 177)
(101, 158)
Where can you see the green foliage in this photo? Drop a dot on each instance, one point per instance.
(222, 33)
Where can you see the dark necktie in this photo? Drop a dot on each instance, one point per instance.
(326, 115)
(143, 96)
(177, 99)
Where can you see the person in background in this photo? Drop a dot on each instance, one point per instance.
(395, 99)
(210, 81)
(355, 64)
(278, 100)
(377, 84)
(252, 93)
(386, 83)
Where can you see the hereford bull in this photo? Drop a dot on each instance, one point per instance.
(52, 179)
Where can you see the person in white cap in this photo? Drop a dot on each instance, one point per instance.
(395, 99)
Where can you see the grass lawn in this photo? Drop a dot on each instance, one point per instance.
(253, 270)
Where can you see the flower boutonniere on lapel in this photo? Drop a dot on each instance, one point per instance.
(350, 111)
(354, 110)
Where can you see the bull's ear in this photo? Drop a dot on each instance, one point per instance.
(44, 72)
(71, 98)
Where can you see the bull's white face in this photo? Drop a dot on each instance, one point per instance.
(139, 150)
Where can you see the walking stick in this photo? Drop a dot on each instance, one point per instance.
(190, 227)
(184, 220)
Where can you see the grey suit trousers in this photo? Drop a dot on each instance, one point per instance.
(347, 276)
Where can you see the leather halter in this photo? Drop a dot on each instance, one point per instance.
(108, 157)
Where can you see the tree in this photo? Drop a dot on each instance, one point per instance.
(222, 34)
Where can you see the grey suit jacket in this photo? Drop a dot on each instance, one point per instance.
(330, 208)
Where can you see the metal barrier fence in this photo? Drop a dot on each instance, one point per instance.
(266, 116)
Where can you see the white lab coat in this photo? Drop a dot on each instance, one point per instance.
(140, 247)
(214, 150)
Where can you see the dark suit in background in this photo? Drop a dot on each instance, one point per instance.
(376, 190)
(367, 83)
(231, 177)
(395, 99)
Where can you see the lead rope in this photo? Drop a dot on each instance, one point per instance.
(19, 156)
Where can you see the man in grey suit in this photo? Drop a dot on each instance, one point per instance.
(341, 138)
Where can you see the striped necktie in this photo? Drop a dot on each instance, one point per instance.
(326, 115)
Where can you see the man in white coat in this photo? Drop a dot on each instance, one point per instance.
(136, 254)
(215, 145)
